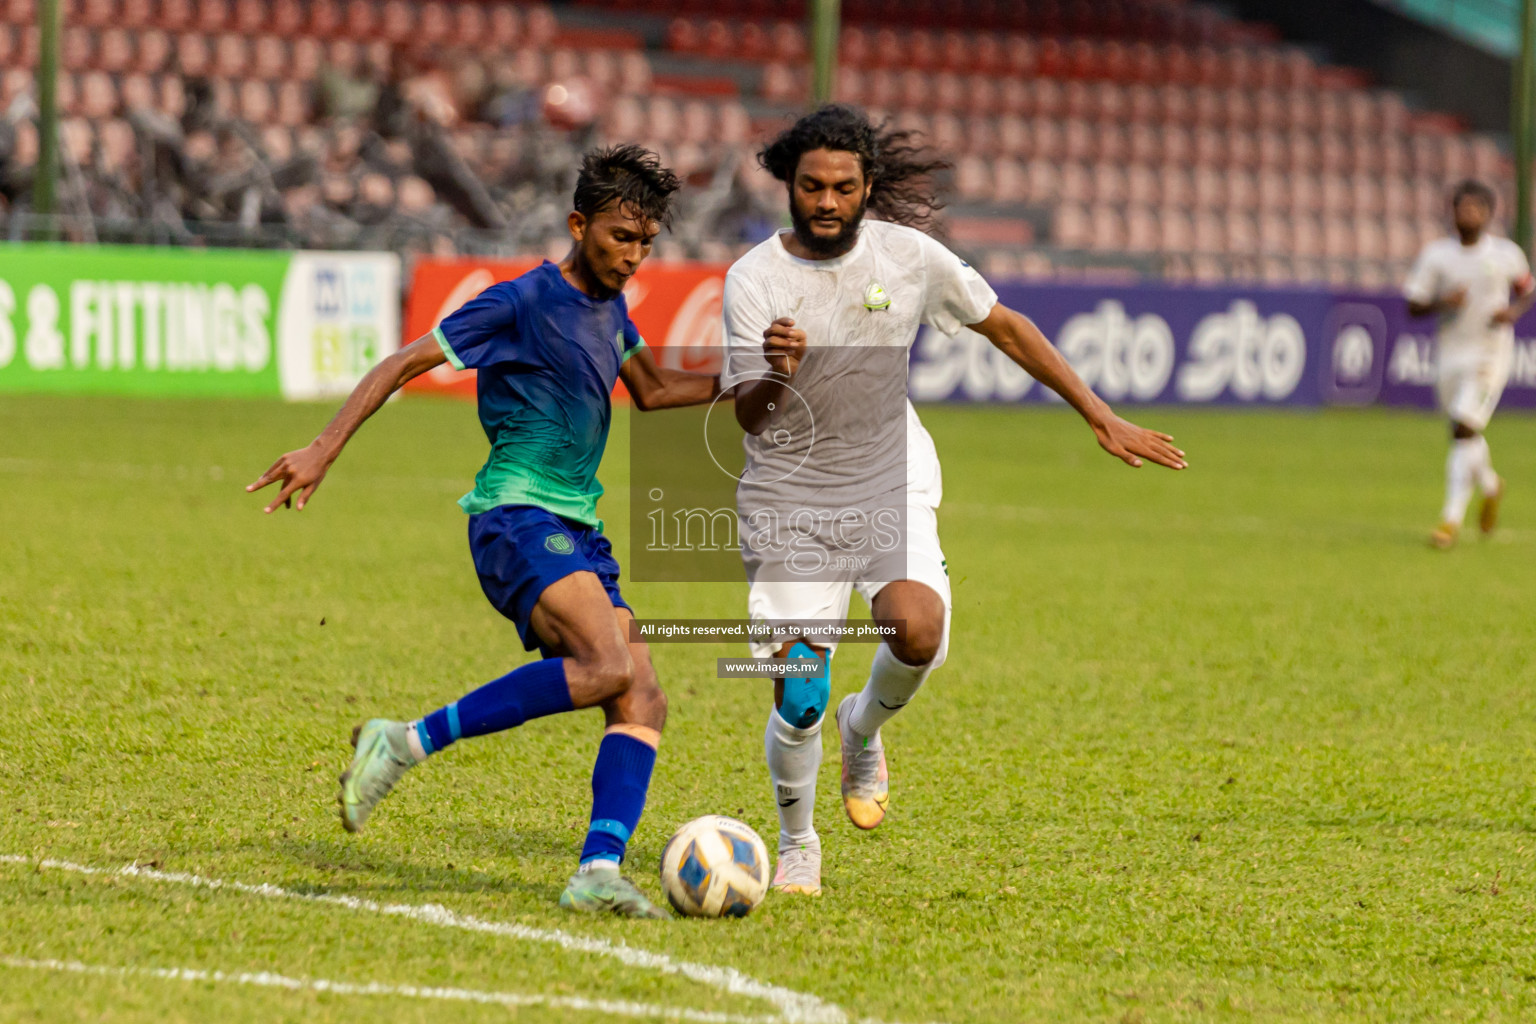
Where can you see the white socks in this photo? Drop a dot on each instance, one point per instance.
(794, 756)
(1487, 480)
(892, 683)
(1469, 463)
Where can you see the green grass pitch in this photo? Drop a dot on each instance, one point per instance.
(1226, 745)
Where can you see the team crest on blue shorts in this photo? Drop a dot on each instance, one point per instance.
(559, 543)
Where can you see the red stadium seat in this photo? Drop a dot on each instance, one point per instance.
(1177, 147)
(1106, 229)
(1175, 186)
(1210, 188)
(1275, 232)
(287, 18)
(1176, 232)
(1141, 230)
(1080, 141)
(1076, 184)
(1010, 182)
(1072, 229)
(504, 26)
(213, 15)
(1242, 149)
(137, 92)
(1242, 191)
(1241, 233)
(136, 14)
(973, 179)
(1042, 181)
(231, 55)
(1141, 185)
(788, 42)
(1273, 191)
(1109, 184)
(1015, 97)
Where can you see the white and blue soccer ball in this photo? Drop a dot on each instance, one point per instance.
(715, 867)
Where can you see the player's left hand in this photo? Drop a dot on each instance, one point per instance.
(1130, 444)
(1503, 318)
(784, 345)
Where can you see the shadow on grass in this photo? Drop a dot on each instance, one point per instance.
(360, 872)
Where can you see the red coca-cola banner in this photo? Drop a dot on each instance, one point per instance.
(676, 306)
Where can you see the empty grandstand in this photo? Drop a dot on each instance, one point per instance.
(1119, 138)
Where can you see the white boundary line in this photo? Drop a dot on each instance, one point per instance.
(793, 1007)
(266, 979)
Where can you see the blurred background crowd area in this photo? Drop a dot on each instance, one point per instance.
(1158, 138)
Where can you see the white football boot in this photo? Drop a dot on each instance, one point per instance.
(799, 871)
(866, 782)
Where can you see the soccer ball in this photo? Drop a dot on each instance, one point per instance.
(714, 867)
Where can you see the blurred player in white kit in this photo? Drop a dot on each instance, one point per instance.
(818, 321)
(1477, 285)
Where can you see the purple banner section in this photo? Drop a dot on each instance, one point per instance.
(1211, 346)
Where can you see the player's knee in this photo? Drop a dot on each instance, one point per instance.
(1462, 432)
(806, 698)
(924, 644)
(805, 701)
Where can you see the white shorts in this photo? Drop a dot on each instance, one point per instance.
(1469, 392)
(818, 599)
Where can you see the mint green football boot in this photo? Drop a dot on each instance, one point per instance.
(382, 755)
(605, 891)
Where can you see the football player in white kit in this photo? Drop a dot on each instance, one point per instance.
(818, 321)
(1468, 282)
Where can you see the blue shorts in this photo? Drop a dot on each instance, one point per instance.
(519, 550)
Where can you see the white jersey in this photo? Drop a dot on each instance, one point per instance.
(841, 432)
(1488, 269)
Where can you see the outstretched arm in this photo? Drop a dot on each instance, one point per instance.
(1020, 340)
(652, 386)
(301, 471)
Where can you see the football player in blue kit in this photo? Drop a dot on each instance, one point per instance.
(548, 347)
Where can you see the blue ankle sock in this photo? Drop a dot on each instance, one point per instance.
(531, 691)
(620, 779)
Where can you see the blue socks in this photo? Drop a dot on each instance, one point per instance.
(530, 691)
(620, 779)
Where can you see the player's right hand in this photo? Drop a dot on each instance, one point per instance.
(784, 345)
(300, 471)
(1454, 300)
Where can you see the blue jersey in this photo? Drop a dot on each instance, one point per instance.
(548, 356)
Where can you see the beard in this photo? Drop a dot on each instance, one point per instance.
(822, 246)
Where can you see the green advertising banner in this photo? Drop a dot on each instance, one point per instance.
(148, 321)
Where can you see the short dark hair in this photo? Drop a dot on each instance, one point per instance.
(626, 175)
(899, 169)
(1472, 188)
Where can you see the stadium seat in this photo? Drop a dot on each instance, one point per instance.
(1072, 228)
(973, 179)
(1010, 182)
(1043, 181)
(1076, 184)
(1141, 229)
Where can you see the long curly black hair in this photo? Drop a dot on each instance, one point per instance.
(902, 171)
